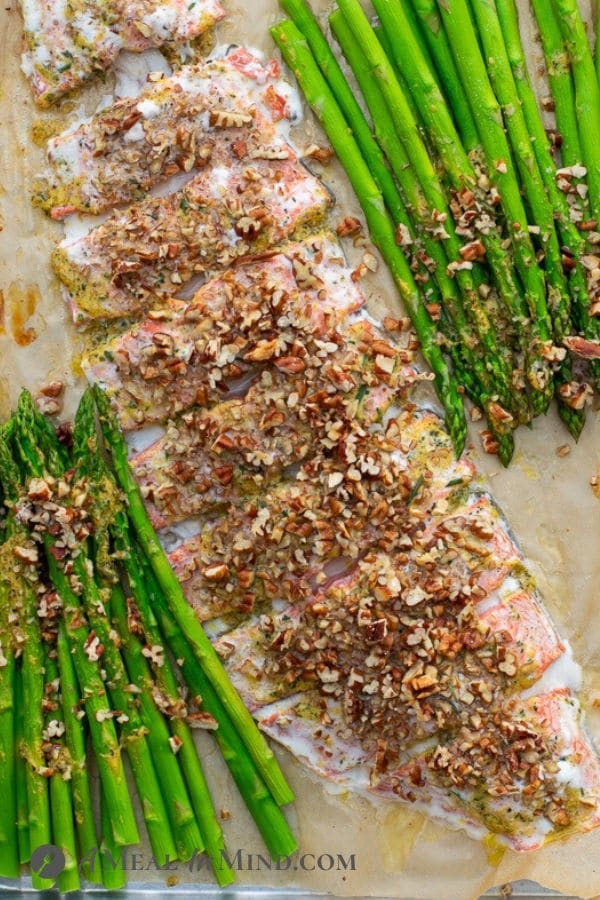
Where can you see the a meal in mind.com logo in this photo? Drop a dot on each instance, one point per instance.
(48, 861)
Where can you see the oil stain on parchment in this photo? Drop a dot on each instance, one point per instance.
(22, 306)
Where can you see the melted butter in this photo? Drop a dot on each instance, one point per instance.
(399, 829)
(22, 306)
(2, 325)
(494, 850)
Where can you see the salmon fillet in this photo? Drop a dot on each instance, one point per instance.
(316, 395)
(66, 43)
(204, 351)
(246, 559)
(178, 124)
(144, 254)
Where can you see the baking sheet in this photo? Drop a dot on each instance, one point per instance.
(546, 497)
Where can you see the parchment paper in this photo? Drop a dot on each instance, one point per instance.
(547, 499)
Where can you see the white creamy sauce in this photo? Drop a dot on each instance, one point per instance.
(149, 109)
(132, 70)
(175, 535)
(162, 20)
(135, 134)
(564, 672)
(144, 438)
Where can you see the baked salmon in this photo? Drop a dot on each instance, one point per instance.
(145, 254)
(319, 393)
(297, 535)
(66, 43)
(200, 352)
(177, 125)
(413, 698)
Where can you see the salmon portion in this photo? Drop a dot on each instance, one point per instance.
(431, 658)
(66, 43)
(145, 254)
(246, 559)
(206, 350)
(526, 775)
(311, 727)
(532, 638)
(230, 105)
(476, 532)
(317, 394)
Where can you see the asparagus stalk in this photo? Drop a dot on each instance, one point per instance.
(597, 32)
(211, 830)
(212, 836)
(302, 15)
(75, 738)
(587, 94)
(388, 139)
(456, 163)
(29, 439)
(501, 76)
(534, 187)
(142, 734)
(570, 236)
(561, 81)
(38, 800)
(20, 774)
(382, 37)
(265, 812)
(319, 96)
(441, 54)
(304, 19)
(107, 508)
(9, 843)
(113, 871)
(61, 799)
(488, 117)
(180, 813)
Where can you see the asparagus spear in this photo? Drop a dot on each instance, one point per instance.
(304, 19)
(388, 139)
(570, 236)
(20, 774)
(502, 79)
(534, 186)
(245, 724)
(265, 812)
(458, 169)
(29, 438)
(9, 843)
(561, 81)
(298, 56)
(453, 155)
(597, 27)
(75, 737)
(301, 13)
(487, 114)
(108, 508)
(143, 734)
(212, 837)
(113, 871)
(164, 674)
(38, 801)
(441, 54)
(587, 94)
(180, 812)
(61, 799)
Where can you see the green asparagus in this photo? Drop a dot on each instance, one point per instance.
(297, 54)
(587, 94)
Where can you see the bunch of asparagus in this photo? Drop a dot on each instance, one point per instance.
(92, 620)
(488, 224)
